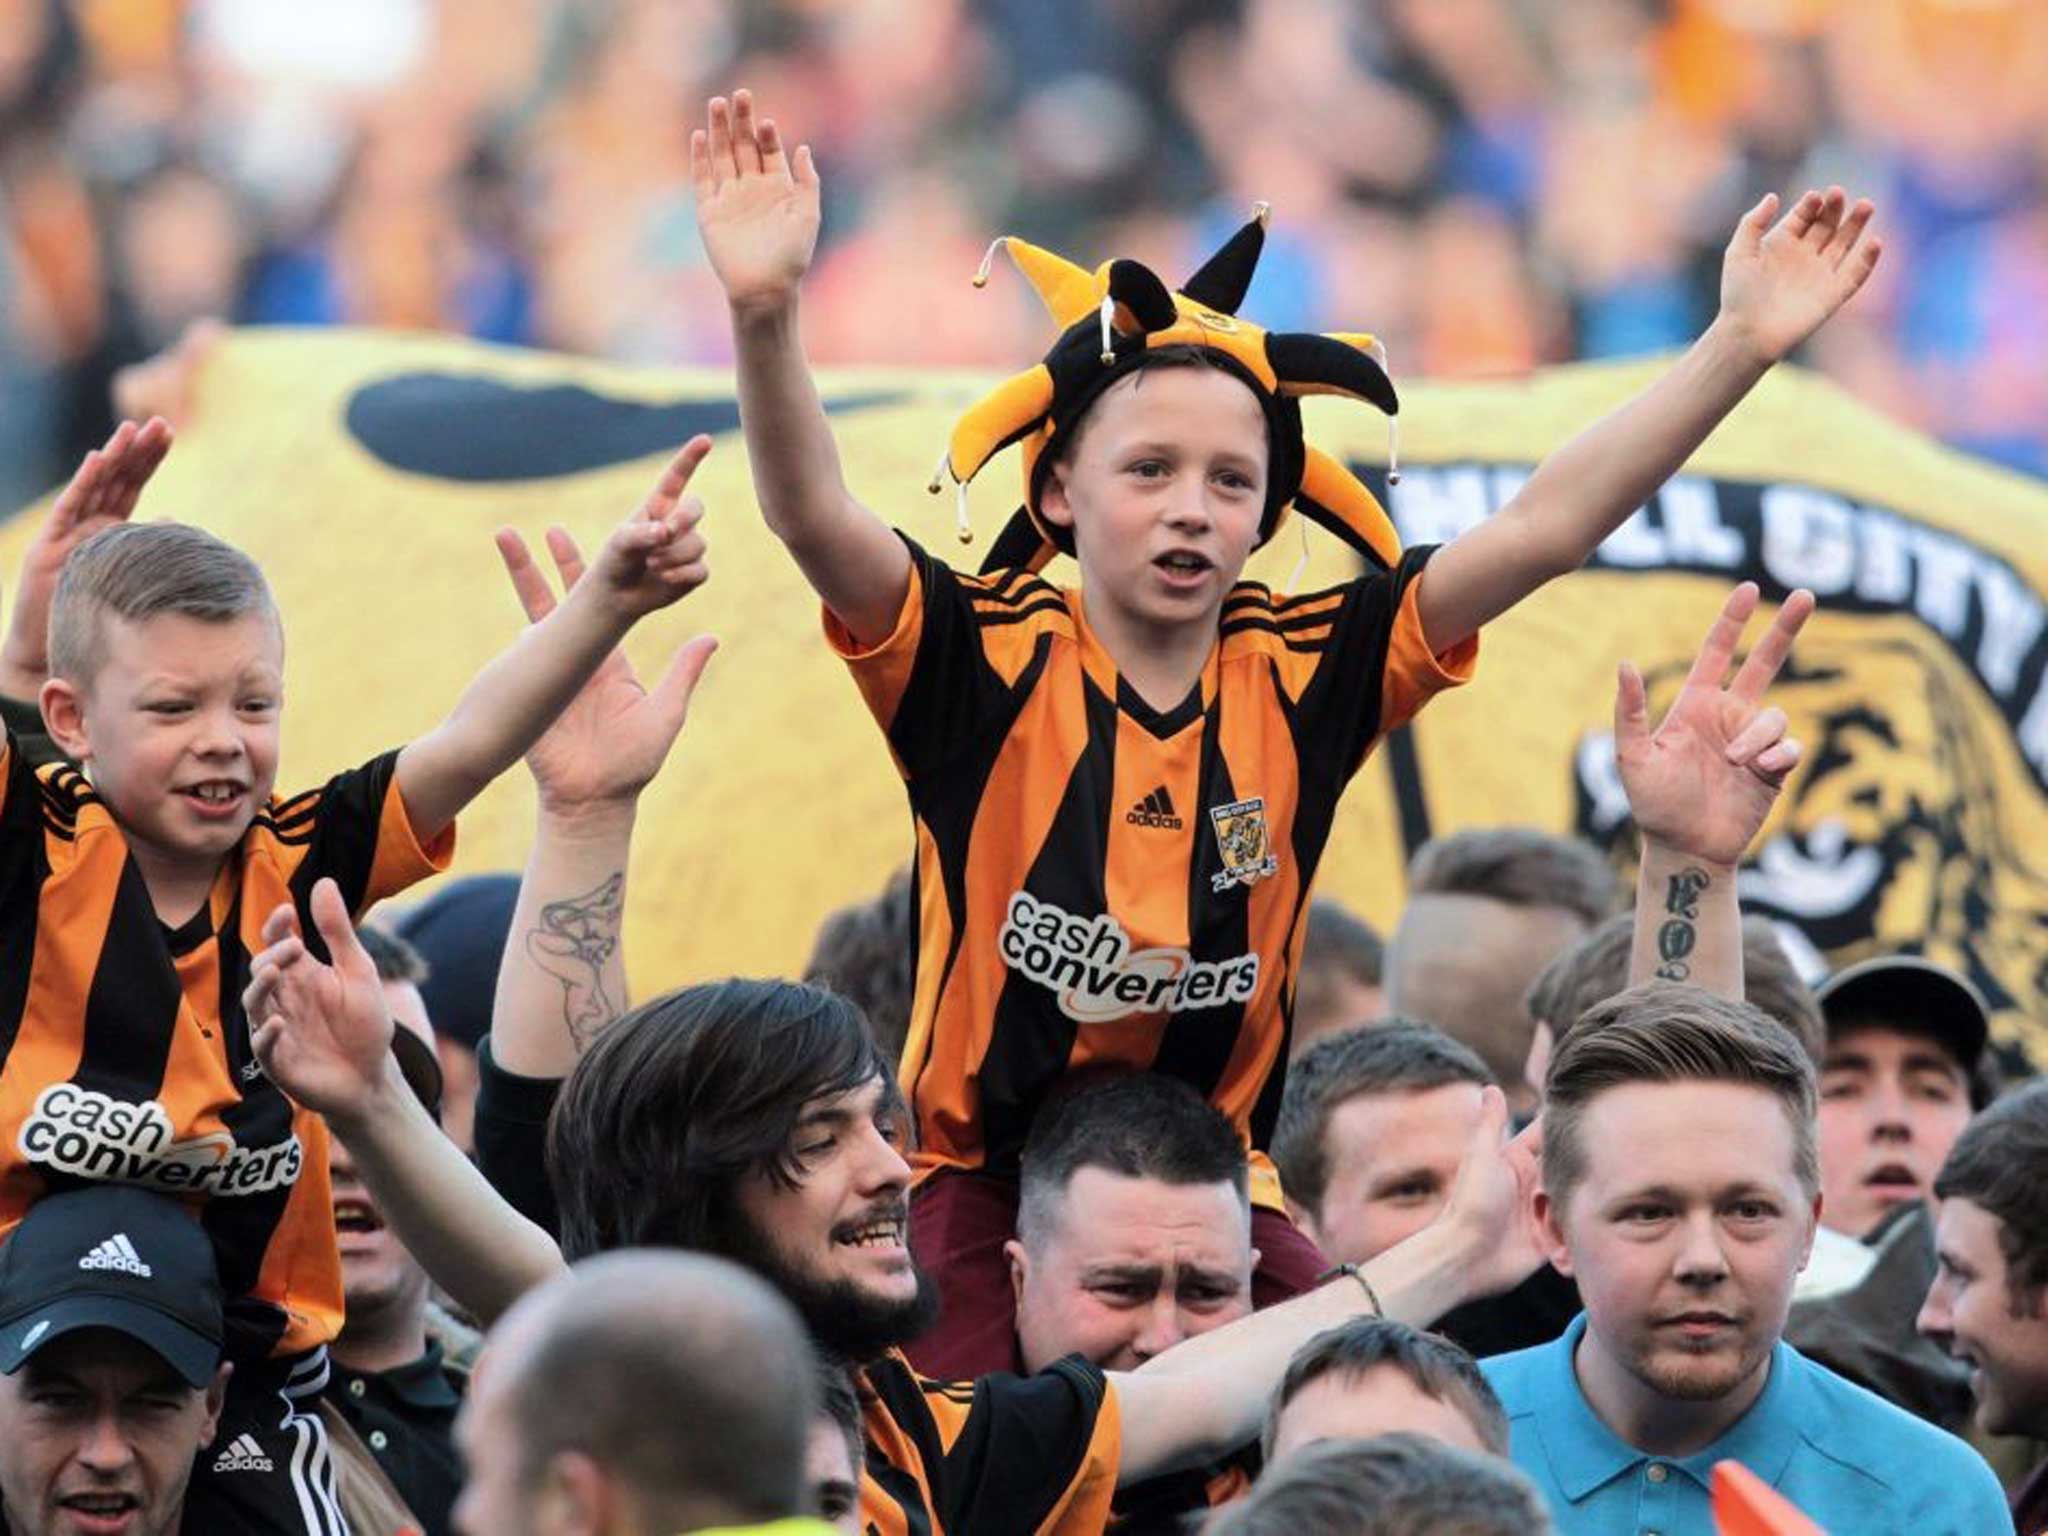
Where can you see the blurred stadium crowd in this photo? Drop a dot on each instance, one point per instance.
(1491, 184)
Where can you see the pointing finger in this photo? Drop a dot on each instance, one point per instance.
(1763, 663)
(1631, 707)
(1711, 665)
(567, 556)
(528, 583)
(675, 478)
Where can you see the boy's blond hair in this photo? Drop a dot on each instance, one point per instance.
(136, 571)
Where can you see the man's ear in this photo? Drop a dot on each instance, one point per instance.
(1550, 1223)
(63, 707)
(1806, 1249)
(1053, 504)
(1020, 1267)
(576, 1496)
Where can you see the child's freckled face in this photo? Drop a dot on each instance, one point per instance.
(182, 723)
(1165, 491)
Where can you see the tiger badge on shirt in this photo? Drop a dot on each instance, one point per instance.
(1241, 838)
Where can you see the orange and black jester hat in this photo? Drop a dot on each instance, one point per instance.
(1111, 318)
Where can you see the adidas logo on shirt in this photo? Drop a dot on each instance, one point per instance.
(242, 1455)
(116, 1253)
(1155, 810)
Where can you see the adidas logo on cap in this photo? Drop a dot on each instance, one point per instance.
(242, 1455)
(116, 1253)
(1155, 810)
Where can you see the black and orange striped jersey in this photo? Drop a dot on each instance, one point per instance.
(124, 1050)
(1167, 1505)
(1030, 1455)
(1099, 881)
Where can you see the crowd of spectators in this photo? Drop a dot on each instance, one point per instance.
(1561, 1208)
(1491, 185)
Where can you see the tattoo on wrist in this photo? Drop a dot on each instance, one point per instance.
(574, 942)
(1679, 935)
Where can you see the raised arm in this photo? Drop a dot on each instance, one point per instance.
(1778, 284)
(104, 491)
(563, 978)
(757, 208)
(323, 1035)
(651, 560)
(1208, 1395)
(1700, 787)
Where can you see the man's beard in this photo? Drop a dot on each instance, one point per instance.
(843, 1320)
(1702, 1378)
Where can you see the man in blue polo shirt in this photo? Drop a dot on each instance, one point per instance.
(1682, 1192)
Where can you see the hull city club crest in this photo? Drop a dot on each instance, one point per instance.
(1241, 838)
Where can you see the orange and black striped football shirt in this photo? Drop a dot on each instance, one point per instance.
(1022, 1455)
(124, 1050)
(1102, 881)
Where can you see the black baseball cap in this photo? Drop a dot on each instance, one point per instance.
(1912, 994)
(112, 1256)
(460, 931)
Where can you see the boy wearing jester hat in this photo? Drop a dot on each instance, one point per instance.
(1121, 792)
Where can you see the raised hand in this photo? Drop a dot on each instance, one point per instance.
(322, 1033)
(103, 492)
(1703, 782)
(614, 735)
(1493, 1199)
(656, 556)
(757, 207)
(1780, 282)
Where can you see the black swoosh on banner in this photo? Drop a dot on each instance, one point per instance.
(482, 430)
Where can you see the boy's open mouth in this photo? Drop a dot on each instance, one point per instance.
(1183, 562)
(213, 794)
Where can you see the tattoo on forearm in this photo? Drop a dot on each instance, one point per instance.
(574, 942)
(1679, 934)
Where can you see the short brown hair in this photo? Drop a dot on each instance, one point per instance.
(395, 959)
(1663, 1032)
(1396, 1057)
(1339, 946)
(135, 571)
(864, 953)
(2000, 1163)
(1437, 1367)
(1596, 968)
(1518, 866)
(1390, 1485)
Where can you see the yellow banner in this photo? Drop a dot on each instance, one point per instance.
(366, 472)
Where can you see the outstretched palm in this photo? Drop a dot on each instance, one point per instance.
(1704, 781)
(1779, 283)
(757, 207)
(614, 735)
(1494, 1195)
(322, 1033)
(102, 493)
